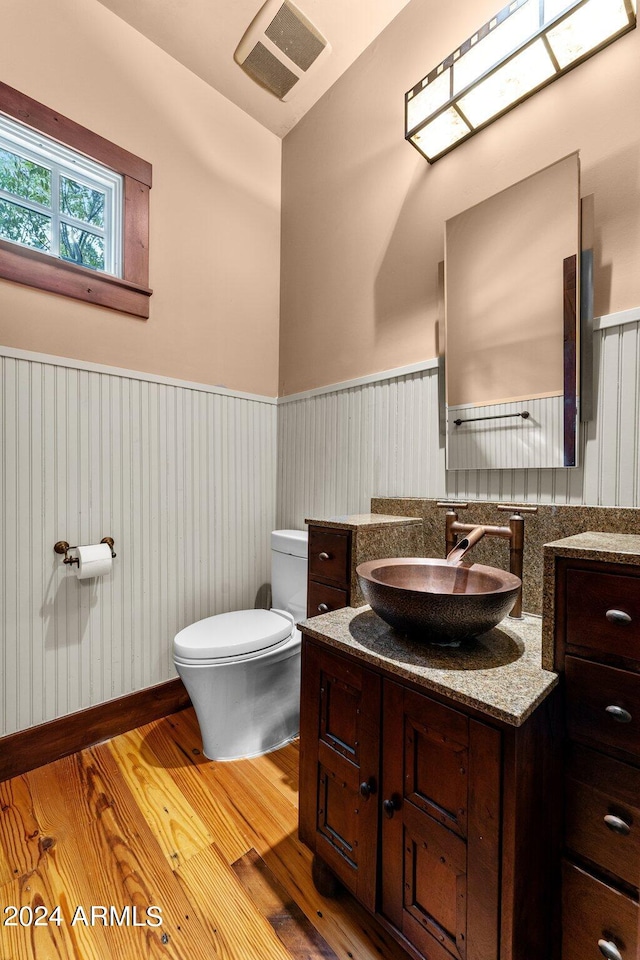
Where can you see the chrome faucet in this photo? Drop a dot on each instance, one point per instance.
(514, 533)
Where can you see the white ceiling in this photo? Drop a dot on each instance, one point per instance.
(203, 35)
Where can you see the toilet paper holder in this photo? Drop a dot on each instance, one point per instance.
(63, 547)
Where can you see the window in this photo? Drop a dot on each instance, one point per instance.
(74, 209)
(55, 200)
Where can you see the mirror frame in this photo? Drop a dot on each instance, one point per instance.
(573, 345)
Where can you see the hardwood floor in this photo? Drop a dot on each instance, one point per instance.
(146, 821)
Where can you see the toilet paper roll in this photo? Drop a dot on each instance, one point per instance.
(94, 560)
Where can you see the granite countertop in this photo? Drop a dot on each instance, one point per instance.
(355, 521)
(499, 673)
(610, 547)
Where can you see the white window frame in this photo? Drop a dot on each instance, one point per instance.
(32, 145)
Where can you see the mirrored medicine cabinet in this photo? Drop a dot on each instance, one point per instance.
(511, 325)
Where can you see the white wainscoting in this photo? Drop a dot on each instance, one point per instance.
(338, 448)
(183, 479)
(516, 443)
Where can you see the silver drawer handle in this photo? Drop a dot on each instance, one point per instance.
(323, 556)
(617, 825)
(617, 616)
(323, 608)
(619, 714)
(609, 950)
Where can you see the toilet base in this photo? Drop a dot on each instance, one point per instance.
(250, 756)
(246, 707)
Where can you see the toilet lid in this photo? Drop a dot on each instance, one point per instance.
(232, 634)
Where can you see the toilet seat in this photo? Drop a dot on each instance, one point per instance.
(241, 633)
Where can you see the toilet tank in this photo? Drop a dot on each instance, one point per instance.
(289, 572)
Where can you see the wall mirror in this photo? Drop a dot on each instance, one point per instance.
(511, 330)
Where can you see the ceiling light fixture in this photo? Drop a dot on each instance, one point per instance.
(521, 49)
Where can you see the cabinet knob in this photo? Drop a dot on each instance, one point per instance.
(390, 806)
(367, 788)
(618, 713)
(323, 608)
(617, 616)
(323, 556)
(609, 950)
(617, 825)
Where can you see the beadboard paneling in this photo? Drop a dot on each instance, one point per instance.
(338, 449)
(184, 481)
(536, 441)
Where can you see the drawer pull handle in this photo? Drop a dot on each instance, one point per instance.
(619, 714)
(617, 616)
(323, 556)
(617, 825)
(609, 950)
(323, 608)
(367, 788)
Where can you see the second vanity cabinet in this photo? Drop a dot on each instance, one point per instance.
(338, 544)
(597, 645)
(436, 820)
(329, 564)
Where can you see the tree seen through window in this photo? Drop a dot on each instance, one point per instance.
(42, 208)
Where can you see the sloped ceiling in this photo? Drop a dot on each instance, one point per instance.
(203, 35)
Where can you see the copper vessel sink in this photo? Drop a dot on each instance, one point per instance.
(435, 601)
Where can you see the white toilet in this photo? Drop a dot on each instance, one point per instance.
(242, 669)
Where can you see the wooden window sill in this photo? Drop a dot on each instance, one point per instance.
(35, 269)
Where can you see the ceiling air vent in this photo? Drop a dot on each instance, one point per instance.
(279, 47)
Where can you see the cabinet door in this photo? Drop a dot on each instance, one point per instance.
(440, 827)
(340, 743)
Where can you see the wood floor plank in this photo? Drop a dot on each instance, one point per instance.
(282, 803)
(44, 887)
(74, 833)
(20, 841)
(164, 741)
(239, 929)
(6, 872)
(281, 769)
(172, 819)
(111, 857)
(40, 881)
(292, 927)
(272, 827)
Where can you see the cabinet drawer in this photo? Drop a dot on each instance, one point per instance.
(603, 612)
(602, 817)
(321, 595)
(603, 705)
(329, 555)
(592, 911)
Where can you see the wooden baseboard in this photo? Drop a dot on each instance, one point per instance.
(31, 748)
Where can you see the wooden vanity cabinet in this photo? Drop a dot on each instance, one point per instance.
(437, 821)
(329, 577)
(339, 735)
(597, 645)
(440, 843)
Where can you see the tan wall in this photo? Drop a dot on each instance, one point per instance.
(215, 203)
(363, 213)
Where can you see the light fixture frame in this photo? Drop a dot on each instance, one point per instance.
(497, 20)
